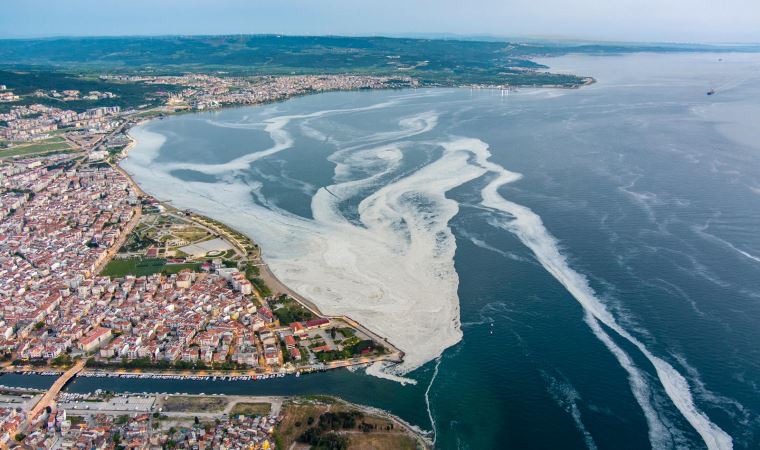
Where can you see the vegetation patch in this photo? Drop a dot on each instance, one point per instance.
(139, 267)
(433, 61)
(52, 145)
(251, 409)
(181, 403)
(288, 311)
(76, 420)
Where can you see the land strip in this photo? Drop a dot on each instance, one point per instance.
(143, 420)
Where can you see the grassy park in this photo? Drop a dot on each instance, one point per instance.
(144, 266)
(51, 145)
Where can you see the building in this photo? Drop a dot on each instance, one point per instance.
(93, 340)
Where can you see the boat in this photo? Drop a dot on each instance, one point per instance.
(711, 92)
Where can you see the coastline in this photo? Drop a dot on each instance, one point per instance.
(279, 404)
(275, 284)
(266, 274)
(392, 357)
(494, 308)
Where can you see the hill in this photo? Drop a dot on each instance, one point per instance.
(434, 62)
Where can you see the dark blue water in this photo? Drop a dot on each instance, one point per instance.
(652, 192)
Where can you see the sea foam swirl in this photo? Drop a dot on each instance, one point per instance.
(391, 265)
(529, 228)
(343, 265)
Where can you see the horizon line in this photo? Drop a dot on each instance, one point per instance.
(443, 36)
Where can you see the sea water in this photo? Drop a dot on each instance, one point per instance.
(563, 268)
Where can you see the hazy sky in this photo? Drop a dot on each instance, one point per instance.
(639, 20)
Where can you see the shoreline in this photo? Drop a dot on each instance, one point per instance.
(278, 287)
(392, 357)
(270, 279)
(421, 436)
(266, 274)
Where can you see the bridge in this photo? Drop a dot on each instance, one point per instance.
(52, 393)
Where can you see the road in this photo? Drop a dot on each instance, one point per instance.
(114, 249)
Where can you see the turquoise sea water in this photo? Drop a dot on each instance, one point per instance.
(609, 298)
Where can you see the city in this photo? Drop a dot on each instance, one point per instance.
(95, 272)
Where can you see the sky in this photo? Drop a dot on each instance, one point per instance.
(610, 20)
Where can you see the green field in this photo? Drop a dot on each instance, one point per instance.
(143, 266)
(251, 409)
(182, 403)
(51, 145)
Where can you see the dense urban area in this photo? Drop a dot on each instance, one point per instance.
(99, 279)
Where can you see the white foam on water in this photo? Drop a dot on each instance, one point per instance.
(529, 228)
(735, 409)
(282, 140)
(408, 127)
(486, 246)
(659, 435)
(567, 398)
(702, 231)
(404, 242)
(427, 399)
(147, 142)
(372, 270)
(379, 369)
